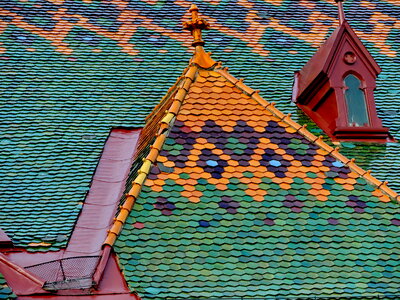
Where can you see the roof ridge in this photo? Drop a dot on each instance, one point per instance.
(302, 129)
(155, 116)
(137, 184)
(166, 96)
(169, 118)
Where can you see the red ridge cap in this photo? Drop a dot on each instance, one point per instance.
(21, 281)
(98, 274)
(107, 188)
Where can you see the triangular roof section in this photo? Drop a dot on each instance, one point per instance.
(238, 193)
(324, 59)
(234, 198)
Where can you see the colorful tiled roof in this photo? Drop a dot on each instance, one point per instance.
(244, 202)
(71, 70)
(5, 291)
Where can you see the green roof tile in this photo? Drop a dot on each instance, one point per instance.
(58, 107)
(298, 242)
(5, 290)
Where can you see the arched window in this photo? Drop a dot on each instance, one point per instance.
(357, 114)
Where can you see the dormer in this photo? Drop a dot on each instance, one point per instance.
(336, 88)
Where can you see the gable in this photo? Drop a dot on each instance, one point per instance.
(330, 55)
(241, 204)
(346, 41)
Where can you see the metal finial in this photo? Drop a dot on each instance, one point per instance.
(196, 25)
(342, 16)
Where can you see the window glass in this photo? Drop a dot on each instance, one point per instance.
(355, 100)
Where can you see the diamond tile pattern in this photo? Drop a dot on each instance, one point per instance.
(241, 205)
(73, 69)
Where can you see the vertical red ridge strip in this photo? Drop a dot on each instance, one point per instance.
(108, 185)
(102, 265)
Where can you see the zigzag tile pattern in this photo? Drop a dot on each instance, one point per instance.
(73, 69)
(241, 205)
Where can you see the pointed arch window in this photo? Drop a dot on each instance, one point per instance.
(357, 113)
(336, 87)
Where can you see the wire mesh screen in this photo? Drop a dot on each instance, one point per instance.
(66, 273)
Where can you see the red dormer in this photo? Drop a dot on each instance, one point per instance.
(336, 88)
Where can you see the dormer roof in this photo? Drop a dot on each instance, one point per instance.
(323, 60)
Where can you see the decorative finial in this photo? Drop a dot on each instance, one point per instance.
(342, 17)
(196, 25)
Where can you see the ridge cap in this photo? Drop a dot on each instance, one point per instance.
(164, 125)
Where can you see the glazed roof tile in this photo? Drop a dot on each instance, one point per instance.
(244, 202)
(5, 290)
(71, 70)
(150, 143)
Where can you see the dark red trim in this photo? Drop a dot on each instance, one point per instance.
(319, 87)
(20, 281)
(5, 241)
(102, 265)
(108, 185)
(362, 133)
(85, 297)
(363, 53)
(113, 281)
(25, 258)
(323, 61)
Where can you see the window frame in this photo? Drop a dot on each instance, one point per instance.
(362, 87)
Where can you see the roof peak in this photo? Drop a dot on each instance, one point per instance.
(196, 25)
(342, 16)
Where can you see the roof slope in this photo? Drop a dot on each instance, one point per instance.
(82, 67)
(241, 204)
